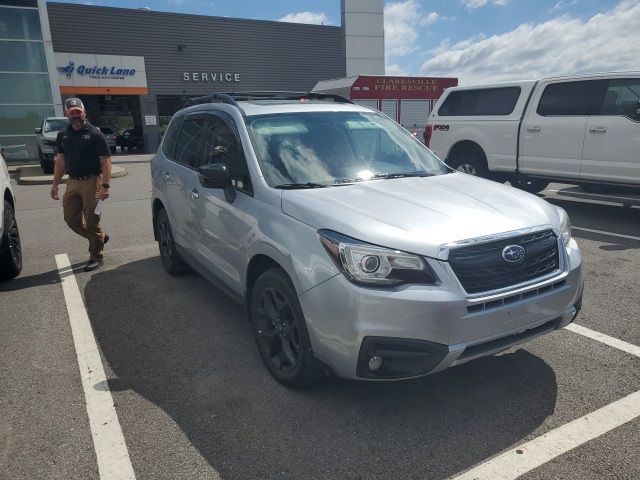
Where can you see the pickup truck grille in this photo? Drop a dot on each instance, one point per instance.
(481, 268)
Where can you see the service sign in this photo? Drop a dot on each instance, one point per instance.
(89, 70)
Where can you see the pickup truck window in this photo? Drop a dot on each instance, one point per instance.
(622, 98)
(487, 101)
(566, 99)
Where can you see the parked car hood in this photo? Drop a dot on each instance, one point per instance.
(50, 135)
(418, 215)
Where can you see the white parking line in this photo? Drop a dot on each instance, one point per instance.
(526, 457)
(108, 441)
(530, 455)
(606, 339)
(608, 234)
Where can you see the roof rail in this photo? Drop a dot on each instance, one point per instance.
(232, 98)
(213, 98)
(287, 95)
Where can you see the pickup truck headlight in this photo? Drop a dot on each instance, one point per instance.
(371, 265)
(565, 225)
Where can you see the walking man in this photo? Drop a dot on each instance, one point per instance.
(83, 153)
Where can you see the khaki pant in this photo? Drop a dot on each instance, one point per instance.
(78, 203)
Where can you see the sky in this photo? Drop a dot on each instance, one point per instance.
(477, 41)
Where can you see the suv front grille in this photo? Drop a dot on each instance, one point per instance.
(481, 268)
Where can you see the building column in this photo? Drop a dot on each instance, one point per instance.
(149, 117)
(363, 26)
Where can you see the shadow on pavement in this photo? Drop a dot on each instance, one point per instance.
(47, 278)
(183, 345)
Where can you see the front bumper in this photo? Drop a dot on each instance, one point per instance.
(433, 327)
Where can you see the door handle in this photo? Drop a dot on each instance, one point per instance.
(195, 194)
(533, 129)
(598, 130)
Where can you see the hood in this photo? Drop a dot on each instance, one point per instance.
(418, 215)
(50, 135)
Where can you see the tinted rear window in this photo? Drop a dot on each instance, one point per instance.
(488, 101)
(566, 99)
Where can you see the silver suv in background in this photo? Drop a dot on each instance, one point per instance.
(46, 135)
(10, 249)
(355, 250)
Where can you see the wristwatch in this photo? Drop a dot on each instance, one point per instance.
(105, 185)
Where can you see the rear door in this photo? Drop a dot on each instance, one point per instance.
(180, 174)
(553, 130)
(612, 142)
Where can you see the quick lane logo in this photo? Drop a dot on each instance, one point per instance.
(68, 70)
(98, 72)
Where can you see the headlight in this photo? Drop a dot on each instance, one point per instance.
(371, 265)
(565, 225)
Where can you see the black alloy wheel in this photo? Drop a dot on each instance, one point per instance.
(171, 259)
(10, 246)
(280, 331)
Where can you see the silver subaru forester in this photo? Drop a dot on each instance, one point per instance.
(355, 250)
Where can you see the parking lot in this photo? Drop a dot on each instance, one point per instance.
(191, 398)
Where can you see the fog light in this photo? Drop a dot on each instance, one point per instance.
(375, 363)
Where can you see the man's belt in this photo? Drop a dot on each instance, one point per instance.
(85, 177)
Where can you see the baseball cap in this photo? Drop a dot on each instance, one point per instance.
(73, 103)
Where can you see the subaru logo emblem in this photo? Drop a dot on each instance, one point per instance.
(513, 253)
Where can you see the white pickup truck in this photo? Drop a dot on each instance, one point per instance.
(582, 129)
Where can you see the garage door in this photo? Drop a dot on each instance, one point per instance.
(390, 108)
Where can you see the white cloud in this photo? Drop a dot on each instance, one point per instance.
(395, 69)
(401, 23)
(176, 2)
(563, 4)
(429, 19)
(315, 18)
(559, 46)
(473, 4)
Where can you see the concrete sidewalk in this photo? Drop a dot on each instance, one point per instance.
(33, 175)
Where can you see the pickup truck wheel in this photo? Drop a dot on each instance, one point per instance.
(471, 164)
(280, 331)
(10, 248)
(171, 259)
(531, 185)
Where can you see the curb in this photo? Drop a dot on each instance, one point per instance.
(33, 175)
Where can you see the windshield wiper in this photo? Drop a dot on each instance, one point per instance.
(293, 186)
(403, 175)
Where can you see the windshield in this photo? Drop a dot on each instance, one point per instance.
(325, 148)
(106, 130)
(55, 124)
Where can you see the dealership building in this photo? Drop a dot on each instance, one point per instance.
(136, 67)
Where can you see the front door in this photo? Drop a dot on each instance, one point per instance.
(219, 227)
(612, 143)
(553, 131)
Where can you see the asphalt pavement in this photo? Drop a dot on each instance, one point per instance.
(194, 401)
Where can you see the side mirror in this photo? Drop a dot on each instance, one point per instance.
(38, 130)
(215, 175)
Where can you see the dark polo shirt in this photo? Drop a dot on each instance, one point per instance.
(82, 150)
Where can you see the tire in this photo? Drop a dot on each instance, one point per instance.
(531, 185)
(472, 164)
(171, 260)
(280, 331)
(10, 247)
